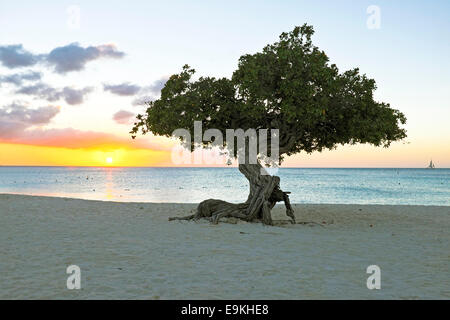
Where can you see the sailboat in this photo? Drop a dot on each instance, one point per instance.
(431, 165)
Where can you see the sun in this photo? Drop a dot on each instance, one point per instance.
(109, 160)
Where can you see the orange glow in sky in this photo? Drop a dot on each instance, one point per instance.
(24, 155)
(398, 155)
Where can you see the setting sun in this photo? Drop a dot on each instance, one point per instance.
(109, 160)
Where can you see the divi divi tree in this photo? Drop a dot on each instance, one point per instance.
(289, 86)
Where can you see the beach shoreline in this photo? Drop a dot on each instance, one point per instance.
(130, 250)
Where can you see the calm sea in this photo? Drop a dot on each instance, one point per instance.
(358, 186)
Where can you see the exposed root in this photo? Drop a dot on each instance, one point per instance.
(265, 192)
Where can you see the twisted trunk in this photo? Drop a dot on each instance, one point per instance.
(264, 193)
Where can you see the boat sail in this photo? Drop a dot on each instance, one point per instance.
(431, 165)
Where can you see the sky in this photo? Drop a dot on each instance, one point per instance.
(72, 74)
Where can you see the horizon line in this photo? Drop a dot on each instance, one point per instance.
(206, 167)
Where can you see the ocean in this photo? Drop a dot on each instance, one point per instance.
(192, 185)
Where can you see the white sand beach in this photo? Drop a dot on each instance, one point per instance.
(132, 251)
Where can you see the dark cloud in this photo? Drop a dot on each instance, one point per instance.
(124, 117)
(43, 91)
(16, 118)
(15, 56)
(124, 89)
(73, 57)
(74, 96)
(40, 90)
(18, 78)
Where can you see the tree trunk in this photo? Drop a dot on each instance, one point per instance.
(264, 193)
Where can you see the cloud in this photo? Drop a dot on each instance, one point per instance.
(18, 78)
(140, 101)
(73, 57)
(17, 117)
(74, 96)
(124, 89)
(124, 117)
(150, 92)
(43, 91)
(71, 138)
(15, 56)
(156, 87)
(21, 124)
(128, 89)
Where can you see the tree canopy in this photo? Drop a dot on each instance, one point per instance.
(290, 86)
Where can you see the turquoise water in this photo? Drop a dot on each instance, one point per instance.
(357, 186)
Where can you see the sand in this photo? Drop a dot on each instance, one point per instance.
(132, 251)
